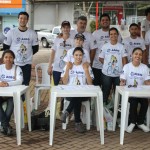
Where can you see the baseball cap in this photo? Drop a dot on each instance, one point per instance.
(79, 35)
(65, 23)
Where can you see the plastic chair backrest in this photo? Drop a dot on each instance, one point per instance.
(45, 75)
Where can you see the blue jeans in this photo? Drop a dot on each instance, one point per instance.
(107, 83)
(97, 76)
(5, 116)
(134, 116)
(75, 104)
(56, 77)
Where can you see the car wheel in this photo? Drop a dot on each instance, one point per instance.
(45, 43)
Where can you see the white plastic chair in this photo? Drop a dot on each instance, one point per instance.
(85, 114)
(45, 82)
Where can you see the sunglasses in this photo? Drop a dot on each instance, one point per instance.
(129, 86)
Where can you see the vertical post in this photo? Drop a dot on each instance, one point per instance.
(96, 15)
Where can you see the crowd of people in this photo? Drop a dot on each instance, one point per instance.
(101, 58)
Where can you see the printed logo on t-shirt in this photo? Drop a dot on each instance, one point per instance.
(112, 66)
(21, 54)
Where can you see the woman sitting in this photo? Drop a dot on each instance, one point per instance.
(10, 75)
(134, 74)
(77, 73)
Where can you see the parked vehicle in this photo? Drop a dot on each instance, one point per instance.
(47, 37)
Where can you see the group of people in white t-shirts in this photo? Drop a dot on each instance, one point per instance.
(113, 61)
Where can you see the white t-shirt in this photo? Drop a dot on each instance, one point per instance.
(77, 75)
(130, 44)
(69, 57)
(135, 75)
(9, 75)
(61, 49)
(147, 42)
(21, 44)
(112, 55)
(89, 42)
(101, 37)
(145, 25)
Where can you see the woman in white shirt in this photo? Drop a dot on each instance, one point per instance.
(10, 75)
(113, 56)
(77, 73)
(134, 74)
(59, 51)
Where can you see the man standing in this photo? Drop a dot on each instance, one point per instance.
(134, 41)
(102, 37)
(89, 42)
(146, 22)
(24, 43)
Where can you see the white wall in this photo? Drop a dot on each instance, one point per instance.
(9, 22)
(46, 15)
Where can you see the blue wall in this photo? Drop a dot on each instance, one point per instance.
(13, 11)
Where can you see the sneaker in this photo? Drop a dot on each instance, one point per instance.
(79, 127)
(143, 127)
(64, 116)
(130, 128)
(9, 131)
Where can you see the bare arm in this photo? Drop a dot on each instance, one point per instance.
(51, 60)
(101, 60)
(122, 82)
(87, 74)
(143, 34)
(124, 61)
(65, 78)
(145, 58)
(92, 55)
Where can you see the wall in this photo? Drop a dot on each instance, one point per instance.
(46, 15)
(9, 22)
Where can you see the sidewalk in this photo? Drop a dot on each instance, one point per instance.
(69, 139)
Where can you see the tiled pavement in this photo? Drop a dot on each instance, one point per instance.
(69, 139)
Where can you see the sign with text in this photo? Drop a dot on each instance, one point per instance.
(10, 3)
(8, 7)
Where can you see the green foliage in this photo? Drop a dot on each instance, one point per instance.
(93, 26)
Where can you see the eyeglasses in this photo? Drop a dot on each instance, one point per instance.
(129, 86)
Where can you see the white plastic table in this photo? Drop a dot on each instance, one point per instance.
(16, 92)
(76, 91)
(125, 92)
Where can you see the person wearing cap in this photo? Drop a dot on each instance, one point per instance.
(78, 42)
(59, 51)
(89, 42)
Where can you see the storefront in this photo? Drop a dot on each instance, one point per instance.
(9, 10)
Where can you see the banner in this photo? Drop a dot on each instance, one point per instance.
(10, 3)
(8, 7)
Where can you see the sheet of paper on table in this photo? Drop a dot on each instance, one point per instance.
(137, 88)
(76, 87)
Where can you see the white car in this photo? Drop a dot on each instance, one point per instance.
(47, 37)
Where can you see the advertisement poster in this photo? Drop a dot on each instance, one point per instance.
(9, 7)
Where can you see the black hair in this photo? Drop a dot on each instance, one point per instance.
(6, 52)
(78, 49)
(23, 13)
(133, 24)
(137, 48)
(104, 15)
(113, 28)
(147, 11)
(84, 18)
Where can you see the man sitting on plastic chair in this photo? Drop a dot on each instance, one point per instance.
(76, 73)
